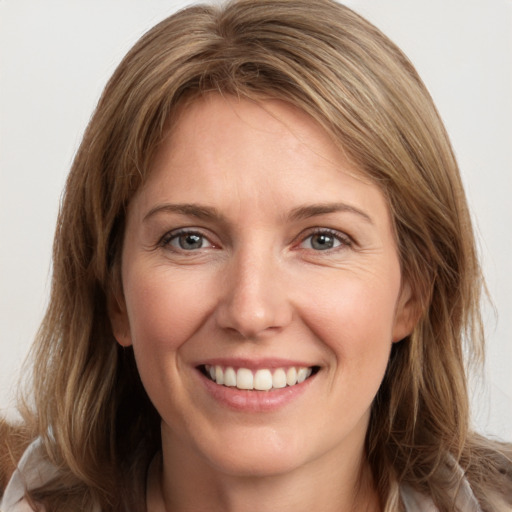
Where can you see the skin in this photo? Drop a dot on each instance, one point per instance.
(257, 286)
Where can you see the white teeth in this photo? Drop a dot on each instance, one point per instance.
(230, 377)
(262, 380)
(279, 379)
(244, 379)
(219, 375)
(302, 374)
(291, 376)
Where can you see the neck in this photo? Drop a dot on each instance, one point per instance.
(182, 483)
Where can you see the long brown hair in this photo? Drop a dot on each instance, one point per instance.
(90, 408)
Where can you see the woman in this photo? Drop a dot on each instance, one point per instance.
(264, 268)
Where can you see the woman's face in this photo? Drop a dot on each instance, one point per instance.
(255, 256)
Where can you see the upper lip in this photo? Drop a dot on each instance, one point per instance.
(254, 364)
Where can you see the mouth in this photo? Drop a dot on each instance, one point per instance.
(263, 379)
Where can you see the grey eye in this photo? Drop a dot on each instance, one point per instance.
(189, 241)
(321, 242)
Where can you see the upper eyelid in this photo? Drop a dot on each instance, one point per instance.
(173, 233)
(346, 243)
(341, 235)
(303, 235)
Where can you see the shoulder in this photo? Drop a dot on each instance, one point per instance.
(32, 471)
(416, 501)
(462, 494)
(490, 473)
(475, 490)
(14, 440)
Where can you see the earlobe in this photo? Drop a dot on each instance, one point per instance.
(407, 314)
(119, 320)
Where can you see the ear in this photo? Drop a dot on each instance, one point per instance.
(407, 314)
(118, 316)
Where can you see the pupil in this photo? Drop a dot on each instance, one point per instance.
(322, 242)
(189, 242)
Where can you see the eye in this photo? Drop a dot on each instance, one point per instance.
(324, 240)
(186, 241)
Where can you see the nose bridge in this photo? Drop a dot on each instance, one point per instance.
(254, 302)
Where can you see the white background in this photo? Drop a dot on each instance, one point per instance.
(56, 55)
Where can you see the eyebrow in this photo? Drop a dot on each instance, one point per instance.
(299, 213)
(305, 212)
(194, 210)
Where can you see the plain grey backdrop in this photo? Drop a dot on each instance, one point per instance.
(56, 56)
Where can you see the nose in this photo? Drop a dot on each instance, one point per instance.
(254, 301)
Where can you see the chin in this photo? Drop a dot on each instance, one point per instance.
(257, 466)
(255, 454)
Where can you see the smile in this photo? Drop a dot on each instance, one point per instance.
(263, 379)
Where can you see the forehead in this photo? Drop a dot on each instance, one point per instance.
(220, 123)
(220, 146)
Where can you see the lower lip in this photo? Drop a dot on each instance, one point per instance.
(254, 401)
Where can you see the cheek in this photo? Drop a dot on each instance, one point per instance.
(165, 309)
(351, 313)
(163, 315)
(354, 320)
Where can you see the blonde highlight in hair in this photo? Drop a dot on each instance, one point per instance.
(95, 418)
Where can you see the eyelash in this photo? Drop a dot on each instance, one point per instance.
(343, 239)
(166, 240)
